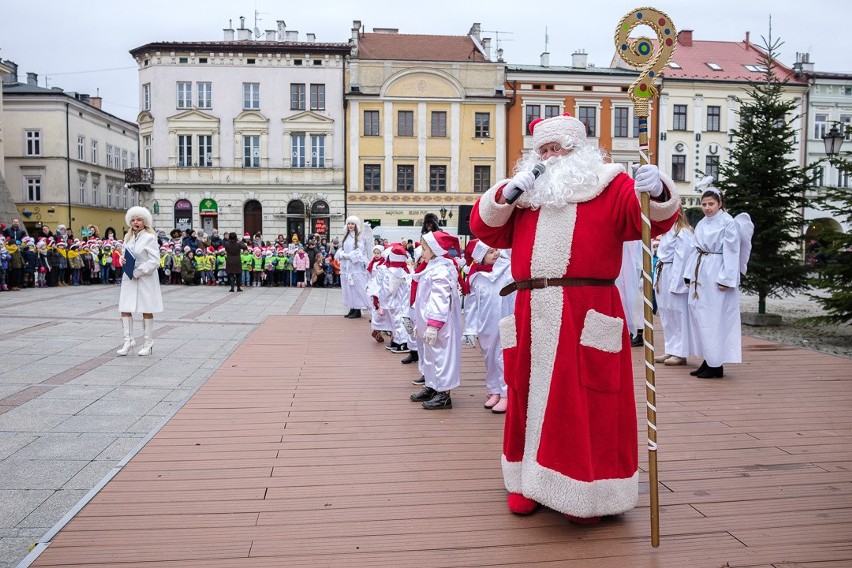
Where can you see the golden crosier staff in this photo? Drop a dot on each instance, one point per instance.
(642, 53)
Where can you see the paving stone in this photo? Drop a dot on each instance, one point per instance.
(16, 504)
(90, 475)
(69, 391)
(96, 423)
(119, 448)
(11, 442)
(65, 446)
(14, 549)
(54, 508)
(20, 474)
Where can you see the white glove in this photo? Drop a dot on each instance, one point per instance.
(522, 182)
(648, 180)
(430, 336)
(469, 340)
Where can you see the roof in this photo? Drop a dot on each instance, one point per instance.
(731, 57)
(244, 46)
(567, 70)
(413, 47)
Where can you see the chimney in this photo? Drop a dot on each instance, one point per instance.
(229, 34)
(83, 98)
(803, 62)
(292, 35)
(96, 102)
(282, 29)
(32, 79)
(684, 38)
(12, 77)
(356, 30)
(475, 30)
(271, 35)
(545, 59)
(579, 59)
(748, 40)
(486, 47)
(243, 33)
(310, 37)
(385, 30)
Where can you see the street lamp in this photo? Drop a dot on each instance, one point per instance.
(833, 141)
(443, 212)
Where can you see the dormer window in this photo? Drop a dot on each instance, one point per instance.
(714, 66)
(756, 68)
(674, 65)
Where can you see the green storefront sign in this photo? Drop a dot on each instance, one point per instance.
(208, 207)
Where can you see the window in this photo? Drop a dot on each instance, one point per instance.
(714, 66)
(820, 123)
(251, 151)
(405, 178)
(251, 96)
(481, 128)
(124, 198)
(635, 126)
(621, 122)
(819, 176)
(205, 150)
(481, 178)
(146, 151)
(146, 96)
(679, 167)
(95, 183)
(33, 142)
(317, 96)
(674, 65)
(109, 195)
(714, 119)
(405, 123)
(755, 68)
(109, 155)
(184, 151)
(205, 94)
(372, 177)
(711, 167)
(124, 159)
(297, 150)
(531, 113)
(82, 191)
(184, 94)
(371, 123)
(297, 96)
(439, 124)
(32, 186)
(843, 179)
(438, 179)
(679, 122)
(133, 162)
(845, 121)
(95, 151)
(81, 148)
(589, 117)
(318, 151)
(551, 110)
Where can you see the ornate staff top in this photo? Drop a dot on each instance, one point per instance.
(640, 52)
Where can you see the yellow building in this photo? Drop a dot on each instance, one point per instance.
(426, 127)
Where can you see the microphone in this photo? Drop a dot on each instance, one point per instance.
(514, 193)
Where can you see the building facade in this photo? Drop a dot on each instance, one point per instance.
(829, 104)
(426, 120)
(244, 134)
(65, 158)
(598, 96)
(698, 107)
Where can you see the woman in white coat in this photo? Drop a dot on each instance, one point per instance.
(671, 290)
(353, 256)
(141, 291)
(713, 275)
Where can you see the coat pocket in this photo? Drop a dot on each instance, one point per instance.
(601, 342)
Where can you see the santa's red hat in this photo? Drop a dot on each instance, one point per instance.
(398, 253)
(442, 243)
(564, 129)
(475, 251)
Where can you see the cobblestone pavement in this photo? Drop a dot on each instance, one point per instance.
(70, 409)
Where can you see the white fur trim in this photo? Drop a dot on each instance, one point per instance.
(432, 243)
(142, 213)
(566, 130)
(512, 475)
(492, 213)
(508, 331)
(660, 211)
(580, 498)
(602, 332)
(479, 250)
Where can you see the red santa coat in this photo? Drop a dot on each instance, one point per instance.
(570, 439)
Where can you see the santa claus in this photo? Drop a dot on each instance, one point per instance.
(570, 438)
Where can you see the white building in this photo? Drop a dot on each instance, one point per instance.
(65, 158)
(829, 104)
(244, 135)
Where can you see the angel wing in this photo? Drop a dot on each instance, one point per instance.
(746, 230)
(367, 238)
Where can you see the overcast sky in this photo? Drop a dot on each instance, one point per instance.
(83, 46)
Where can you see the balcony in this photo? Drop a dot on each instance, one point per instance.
(139, 178)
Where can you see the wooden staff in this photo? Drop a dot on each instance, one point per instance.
(642, 53)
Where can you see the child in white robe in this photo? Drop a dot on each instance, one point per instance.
(437, 320)
(671, 291)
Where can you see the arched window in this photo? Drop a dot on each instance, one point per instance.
(253, 217)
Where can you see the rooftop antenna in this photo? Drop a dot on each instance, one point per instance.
(546, 39)
(258, 19)
(497, 39)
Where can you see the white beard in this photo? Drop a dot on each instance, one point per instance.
(563, 176)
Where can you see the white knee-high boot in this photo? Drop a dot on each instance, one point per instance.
(127, 325)
(148, 328)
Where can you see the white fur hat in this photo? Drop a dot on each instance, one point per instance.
(564, 129)
(358, 225)
(141, 213)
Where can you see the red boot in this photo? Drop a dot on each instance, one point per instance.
(521, 505)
